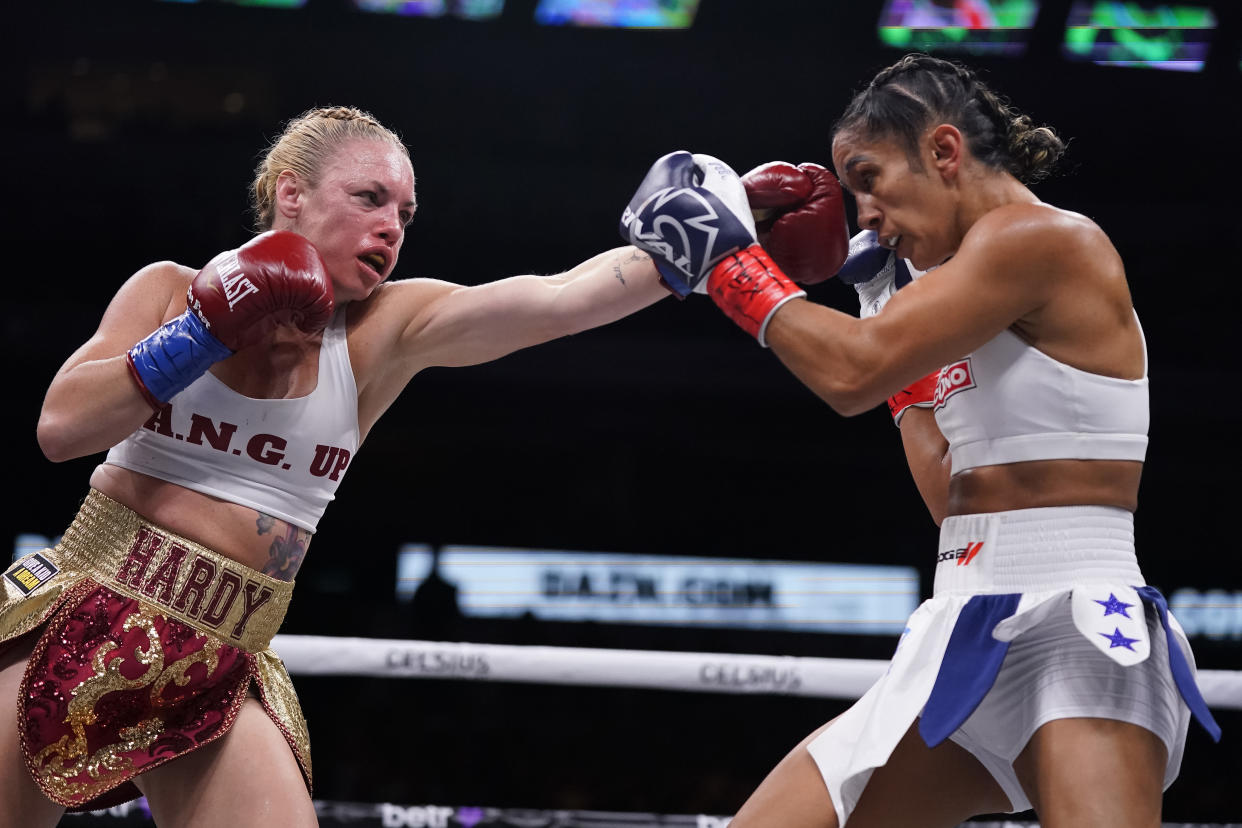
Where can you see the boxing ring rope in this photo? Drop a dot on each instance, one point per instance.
(840, 678)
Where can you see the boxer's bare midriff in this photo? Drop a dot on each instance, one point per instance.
(241, 533)
(1045, 483)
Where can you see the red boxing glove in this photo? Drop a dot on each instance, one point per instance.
(800, 218)
(749, 288)
(920, 394)
(276, 278)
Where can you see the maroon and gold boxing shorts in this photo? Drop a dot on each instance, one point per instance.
(148, 644)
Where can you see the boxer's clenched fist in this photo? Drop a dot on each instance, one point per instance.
(276, 278)
(799, 218)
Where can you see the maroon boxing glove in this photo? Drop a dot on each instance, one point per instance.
(799, 218)
(276, 278)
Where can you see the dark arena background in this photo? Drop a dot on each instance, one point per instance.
(669, 437)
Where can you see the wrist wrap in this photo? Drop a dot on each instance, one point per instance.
(921, 394)
(171, 358)
(749, 288)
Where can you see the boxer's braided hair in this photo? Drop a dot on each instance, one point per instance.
(920, 91)
(305, 144)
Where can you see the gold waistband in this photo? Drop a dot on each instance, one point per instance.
(187, 581)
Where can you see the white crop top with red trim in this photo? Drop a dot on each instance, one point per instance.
(1009, 402)
(284, 458)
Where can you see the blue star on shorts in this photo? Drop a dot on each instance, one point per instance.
(1119, 640)
(1112, 605)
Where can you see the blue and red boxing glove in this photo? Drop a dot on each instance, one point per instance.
(877, 273)
(276, 278)
(691, 214)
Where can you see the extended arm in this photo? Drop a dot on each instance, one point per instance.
(421, 323)
(471, 325)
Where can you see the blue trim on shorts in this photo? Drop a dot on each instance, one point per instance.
(973, 659)
(970, 665)
(1181, 669)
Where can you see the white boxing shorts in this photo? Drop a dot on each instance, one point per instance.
(1036, 615)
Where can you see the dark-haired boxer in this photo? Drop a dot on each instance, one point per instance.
(1043, 672)
(134, 656)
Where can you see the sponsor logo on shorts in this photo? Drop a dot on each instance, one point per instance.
(962, 555)
(31, 572)
(953, 378)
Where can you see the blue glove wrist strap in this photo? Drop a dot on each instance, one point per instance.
(673, 278)
(178, 353)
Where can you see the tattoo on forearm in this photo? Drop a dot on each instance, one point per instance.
(286, 553)
(636, 256)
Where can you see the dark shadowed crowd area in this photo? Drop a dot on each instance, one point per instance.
(133, 130)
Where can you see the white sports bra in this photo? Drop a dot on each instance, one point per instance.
(1009, 402)
(284, 458)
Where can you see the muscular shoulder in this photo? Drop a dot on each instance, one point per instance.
(394, 308)
(158, 288)
(1036, 234)
(384, 328)
(164, 275)
(1062, 265)
(406, 292)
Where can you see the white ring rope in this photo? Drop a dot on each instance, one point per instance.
(840, 678)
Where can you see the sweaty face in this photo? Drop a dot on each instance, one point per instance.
(357, 213)
(908, 207)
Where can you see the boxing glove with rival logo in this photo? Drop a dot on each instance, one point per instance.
(691, 214)
(877, 273)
